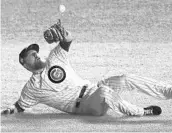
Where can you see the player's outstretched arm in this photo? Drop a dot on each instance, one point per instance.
(68, 40)
(57, 33)
(13, 109)
(26, 100)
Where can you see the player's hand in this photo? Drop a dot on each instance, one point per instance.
(7, 111)
(55, 33)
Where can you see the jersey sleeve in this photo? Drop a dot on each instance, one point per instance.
(65, 45)
(68, 40)
(27, 98)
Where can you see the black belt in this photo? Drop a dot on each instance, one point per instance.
(81, 95)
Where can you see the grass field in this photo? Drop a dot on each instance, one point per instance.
(128, 36)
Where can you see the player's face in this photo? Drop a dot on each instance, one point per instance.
(33, 62)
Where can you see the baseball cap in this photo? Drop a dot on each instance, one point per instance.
(24, 52)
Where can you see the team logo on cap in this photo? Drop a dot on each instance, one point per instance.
(56, 74)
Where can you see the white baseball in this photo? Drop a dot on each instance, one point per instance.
(62, 8)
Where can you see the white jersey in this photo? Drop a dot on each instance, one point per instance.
(57, 86)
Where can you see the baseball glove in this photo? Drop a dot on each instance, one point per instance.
(55, 33)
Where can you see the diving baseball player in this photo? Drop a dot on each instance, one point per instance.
(55, 83)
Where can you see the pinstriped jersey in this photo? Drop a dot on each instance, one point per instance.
(57, 85)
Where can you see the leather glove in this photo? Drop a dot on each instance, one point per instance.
(55, 33)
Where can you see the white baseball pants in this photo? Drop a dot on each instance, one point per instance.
(148, 86)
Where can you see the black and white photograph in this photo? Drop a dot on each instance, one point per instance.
(86, 66)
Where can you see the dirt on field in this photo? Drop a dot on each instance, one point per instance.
(110, 37)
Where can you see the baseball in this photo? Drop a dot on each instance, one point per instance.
(62, 8)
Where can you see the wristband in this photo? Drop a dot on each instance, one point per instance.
(19, 109)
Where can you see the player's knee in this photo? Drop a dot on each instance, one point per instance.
(113, 80)
(117, 77)
(116, 81)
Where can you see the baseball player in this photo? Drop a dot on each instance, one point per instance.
(55, 83)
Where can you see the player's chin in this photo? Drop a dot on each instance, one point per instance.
(40, 65)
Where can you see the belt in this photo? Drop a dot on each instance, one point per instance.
(80, 96)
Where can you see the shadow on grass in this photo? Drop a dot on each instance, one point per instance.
(107, 119)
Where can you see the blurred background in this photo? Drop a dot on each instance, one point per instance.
(89, 20)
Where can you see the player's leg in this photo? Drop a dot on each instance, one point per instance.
(160, 90)
(104, 98)
(117, 83)
(120, 106)
(148, 86)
